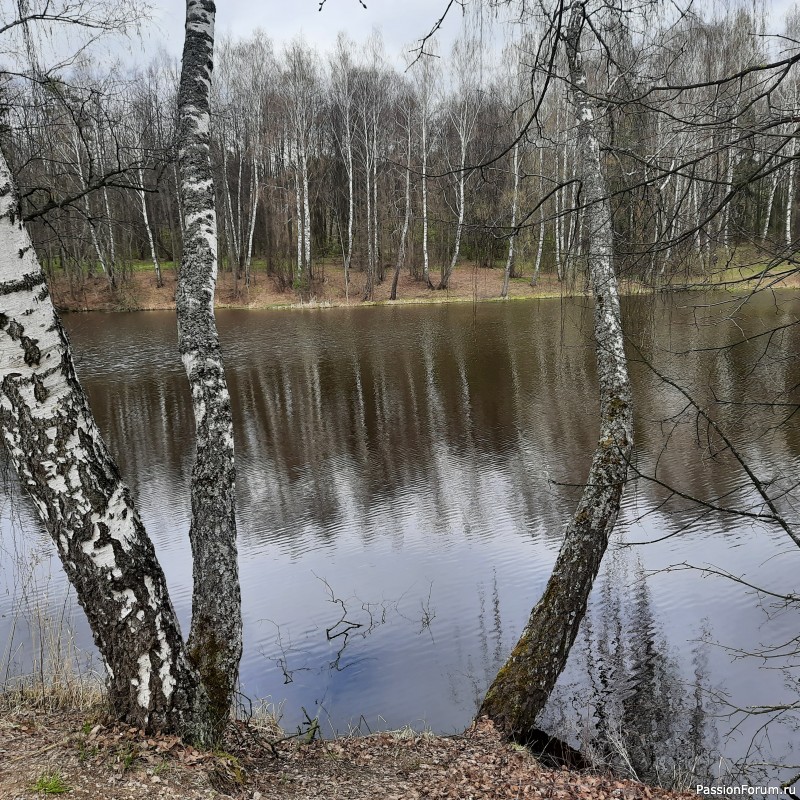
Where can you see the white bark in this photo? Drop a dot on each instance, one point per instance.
(87, 207)
(401, 252)
(215, 638)
(790, 193)
(521, 688)
(63, 464)
(252, 222)
(306, 214)
(298, 230)
(146, 219)
(770, 200)
(512, 237)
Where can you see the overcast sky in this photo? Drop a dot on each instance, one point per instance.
(401, 21)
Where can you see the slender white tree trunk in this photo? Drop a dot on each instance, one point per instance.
(233, 246)
(448, 271)
(726, 214)
(350, 207)
(299, 277)
(146, 220)
(401, 251)
(770, 200)
(306, 214)
(112, 245)
(426, 273)
(521, 688)
(215, 638)
(375, 229)
(87, 207)
(252, 222)
(539, 248)
(513, 235)
(790, 193)
(368, 283)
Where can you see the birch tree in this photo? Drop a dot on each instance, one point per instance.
(521, 688)
(406, 111)
(215, 637)
(463, 116)
(343, 92)
(155, 681)
(424, 82)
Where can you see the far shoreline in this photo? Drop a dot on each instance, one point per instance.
(469, 284)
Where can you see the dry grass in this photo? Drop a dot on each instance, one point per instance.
(468, 283)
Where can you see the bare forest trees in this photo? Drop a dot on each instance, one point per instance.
(309, 161)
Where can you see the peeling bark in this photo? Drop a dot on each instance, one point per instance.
(521, 688)
(51, 438)
(215, 638)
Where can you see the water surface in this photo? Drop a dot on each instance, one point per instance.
(405, 475)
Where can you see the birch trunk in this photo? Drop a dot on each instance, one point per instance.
(252, 226)
(513, 236)
(146, 219)
(369, 282)
(770, 201)
(306, 216)
(233, 249)
(112, 245)
(448, 271)
(215, 638)
(53, 442)
(790, 194)
(521, 688)
(375, 228)
(108, 271)
(298, 281)
(401, 253)
(539, 248)
(426, 273)
(350, 209)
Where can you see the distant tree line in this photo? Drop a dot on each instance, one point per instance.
(347, 158)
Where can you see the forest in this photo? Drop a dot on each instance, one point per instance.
(375, 162)
(637, 162)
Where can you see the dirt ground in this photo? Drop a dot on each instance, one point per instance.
(139, 292)
(89, 759)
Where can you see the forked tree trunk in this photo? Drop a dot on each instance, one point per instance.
(62, 462)
(521, 688)
(215, 638)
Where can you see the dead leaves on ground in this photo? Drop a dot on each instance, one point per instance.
(476, 765)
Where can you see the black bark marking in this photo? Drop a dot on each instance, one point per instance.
(26, 282)
(39, 390)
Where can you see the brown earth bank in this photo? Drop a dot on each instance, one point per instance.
(85, 756)
(138, 290)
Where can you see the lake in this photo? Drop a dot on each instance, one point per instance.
(405, 475)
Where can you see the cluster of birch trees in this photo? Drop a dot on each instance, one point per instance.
(351, 158)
